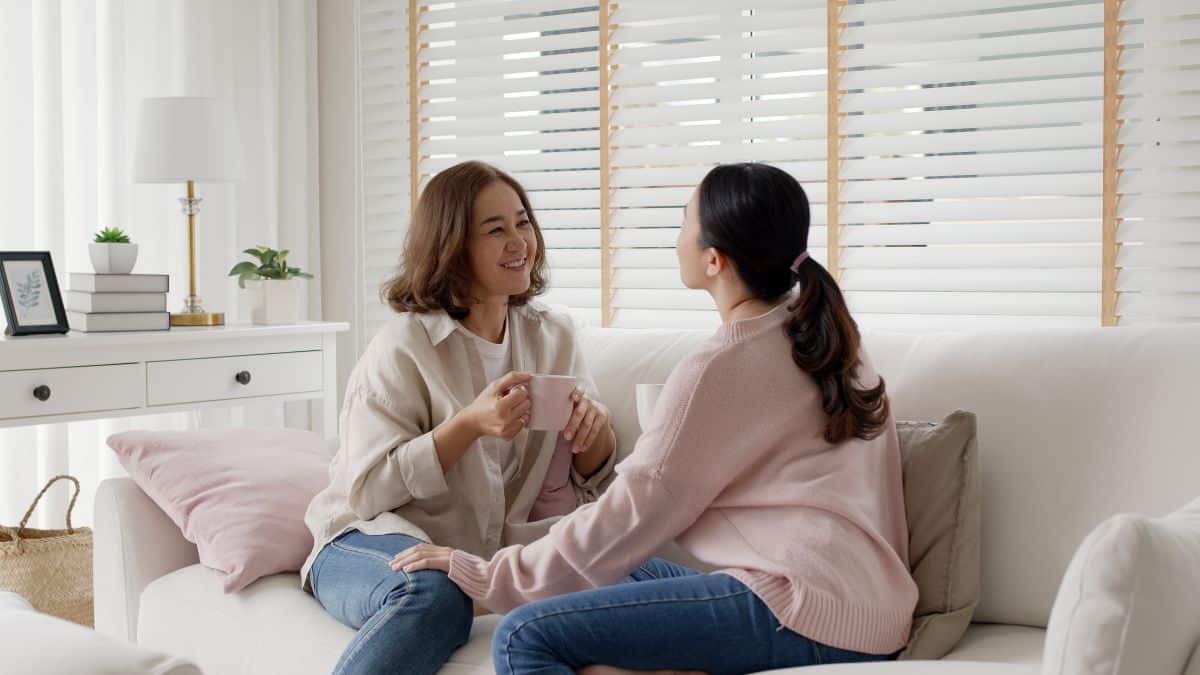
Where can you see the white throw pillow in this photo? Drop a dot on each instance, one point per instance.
(31, 642)
(1128, 604)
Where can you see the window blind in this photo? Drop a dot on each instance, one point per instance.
(383, 151)
(1158, 208)
(970, 145)
(515, 84)
(694, 84)
(971, 162)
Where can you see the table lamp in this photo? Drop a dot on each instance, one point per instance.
(186, 139)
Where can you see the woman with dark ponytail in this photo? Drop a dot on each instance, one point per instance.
(757, 216)
(772, 457)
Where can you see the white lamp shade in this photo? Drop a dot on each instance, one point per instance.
(185, 138)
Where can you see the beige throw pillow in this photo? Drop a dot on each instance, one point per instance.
(942, 501)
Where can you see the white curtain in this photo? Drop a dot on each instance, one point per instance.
(72, 73)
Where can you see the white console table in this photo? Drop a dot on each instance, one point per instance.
(78, 376)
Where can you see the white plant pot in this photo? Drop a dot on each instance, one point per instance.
(276, 301)
(112, 258)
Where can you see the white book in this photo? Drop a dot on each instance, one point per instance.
(101, 323)
(84, 302)
(119, 283)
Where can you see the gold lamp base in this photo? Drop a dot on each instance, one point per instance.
(198, 319)
(193, 313)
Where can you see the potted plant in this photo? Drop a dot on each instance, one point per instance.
(112, 252)
(275, 283)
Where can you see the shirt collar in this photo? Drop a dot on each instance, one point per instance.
(439, 325)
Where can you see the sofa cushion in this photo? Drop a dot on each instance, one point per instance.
(258, 630)
(1074, 427)
(32, 642)
(913, 668)
(1128, 601)
(999, 643)
(985, 649)
(238, 494)
(271, 626)
(941, 500)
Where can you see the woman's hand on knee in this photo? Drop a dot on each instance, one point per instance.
(422, 557)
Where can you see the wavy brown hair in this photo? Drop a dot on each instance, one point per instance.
(758, 216)
(435, 273)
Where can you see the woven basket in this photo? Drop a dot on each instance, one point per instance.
(52, 569)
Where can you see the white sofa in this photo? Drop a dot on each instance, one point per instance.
(1074, 426)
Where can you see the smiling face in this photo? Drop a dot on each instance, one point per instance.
(502, 243)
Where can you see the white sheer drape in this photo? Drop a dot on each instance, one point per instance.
(71, 75)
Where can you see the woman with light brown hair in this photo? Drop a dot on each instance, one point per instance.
(433, 444)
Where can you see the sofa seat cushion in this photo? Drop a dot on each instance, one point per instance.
(1000, 644)
(985, 649)
(271, 626)
(914, 668)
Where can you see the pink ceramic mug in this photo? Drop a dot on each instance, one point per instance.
(552, 405)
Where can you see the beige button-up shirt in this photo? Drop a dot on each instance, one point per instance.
(386, 477)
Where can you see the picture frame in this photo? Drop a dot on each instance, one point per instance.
(29, 291)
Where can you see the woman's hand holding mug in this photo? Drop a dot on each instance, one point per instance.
(587, 421)
(502, 408)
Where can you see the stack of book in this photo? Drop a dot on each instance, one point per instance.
(117, 302)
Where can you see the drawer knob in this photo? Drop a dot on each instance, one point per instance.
(243, 377)
(41, 392)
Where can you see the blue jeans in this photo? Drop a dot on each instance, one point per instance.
(406, 623)
(663, 616)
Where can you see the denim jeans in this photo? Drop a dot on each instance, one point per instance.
(406, 623)
(663, 617)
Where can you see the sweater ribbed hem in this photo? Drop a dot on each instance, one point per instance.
(822, 617)
(470, 573)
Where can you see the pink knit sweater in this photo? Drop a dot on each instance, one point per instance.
(734, 468)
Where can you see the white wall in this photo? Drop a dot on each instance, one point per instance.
(339, 241)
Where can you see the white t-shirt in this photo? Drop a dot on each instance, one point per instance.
(497, 362)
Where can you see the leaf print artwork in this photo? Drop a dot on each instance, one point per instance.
(29, 292)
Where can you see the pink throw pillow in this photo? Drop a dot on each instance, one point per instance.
(240, 495)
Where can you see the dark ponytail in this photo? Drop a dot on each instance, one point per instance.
(758, 216)
(825, 343)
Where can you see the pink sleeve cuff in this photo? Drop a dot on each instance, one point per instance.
(470, 573)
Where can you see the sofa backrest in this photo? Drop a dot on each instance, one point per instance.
(1074, 426)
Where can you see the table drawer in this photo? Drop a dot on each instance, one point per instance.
(71, 390)
(231, 377)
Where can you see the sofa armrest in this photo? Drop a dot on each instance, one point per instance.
(135, 543)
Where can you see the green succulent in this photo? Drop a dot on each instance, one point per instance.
(112, 235)
(271, 264)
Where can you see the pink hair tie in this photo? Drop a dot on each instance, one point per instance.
(799, 260)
